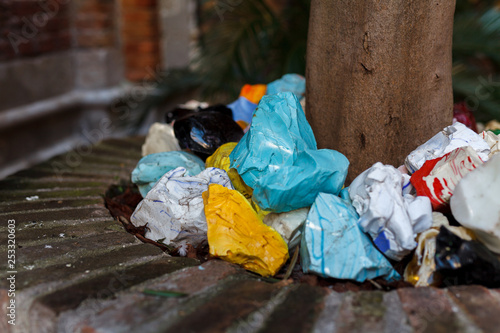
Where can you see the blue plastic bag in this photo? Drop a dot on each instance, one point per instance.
(334, 246)
(289, 82)
(279, 159)
(242, 109)
(152, 167)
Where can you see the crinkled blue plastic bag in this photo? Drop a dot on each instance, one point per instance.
(279, 159)
(152, 167)
(334, 246)
(288, 83)
(242, 109)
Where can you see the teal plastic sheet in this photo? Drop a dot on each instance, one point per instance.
(152, 167)
(334, 246)
(288, 83)
(279, 159)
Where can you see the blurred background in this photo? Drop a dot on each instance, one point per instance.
(75, 72)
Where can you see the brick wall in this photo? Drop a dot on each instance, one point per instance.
(30, 28)
(95, 23)
(141, 38)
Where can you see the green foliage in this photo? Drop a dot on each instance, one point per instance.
(476, 58)
(245, 41)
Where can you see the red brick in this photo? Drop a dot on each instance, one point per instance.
(139, 31)
(97, 21)
(95, 39)
(429, 310)
(142, 47)
(138, 3)
(479, 304)
(131, 17)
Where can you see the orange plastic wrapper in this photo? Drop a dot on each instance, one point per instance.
(236, 233)
(254, 92)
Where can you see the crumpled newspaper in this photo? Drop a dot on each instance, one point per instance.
(173, 209)
(449, 139)
(279, 159)
(476, 203)
(334, 246)
(392, 219)
(152, 167)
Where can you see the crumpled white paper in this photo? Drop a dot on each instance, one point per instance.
(161, 138)
(288, 224)
(391, 218)
(449, 139)
(493, 142)
(476, 203)
(173, 210)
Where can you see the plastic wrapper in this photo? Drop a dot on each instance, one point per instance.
(462, 114)
(220, 159)
(160, 138)
(449, 139)
(173, 209)
(253, 93)
(392, 219)
(152, 167)
(288, 225)
(184, 111)
(493, 141)
(205, 131)
(438, 178)
(242, 109)
(465, 262)
(476, 203)
(420, 271)
(279, 159)
(334, 246)
(288, 83)
(236, 234)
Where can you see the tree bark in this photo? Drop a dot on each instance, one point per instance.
(378, 77)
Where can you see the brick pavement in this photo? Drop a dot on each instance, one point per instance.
(79, 271)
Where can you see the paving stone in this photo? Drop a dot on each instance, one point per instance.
(327, 320)
(29, 234)
(45, 309)
(236, 301)
(14, 183)
(27, 205)
(479, 304)
(298, 311)
(429, 310)
(50, 215)
(138, 312)
(55, 193)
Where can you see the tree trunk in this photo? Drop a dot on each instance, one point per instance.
(378, 77)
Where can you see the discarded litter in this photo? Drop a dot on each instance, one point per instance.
(389, 217)
(236, 234)
(465, 262)
(293, 83)
(476, 203)
(288, 224)
(420, 271)
(334, 246)
(437, 178)
(173, 209)
(152, 167)
(493, 141)
(279, 159)
(33, 198)
(204, 131)
(449, 139)
(160, 138)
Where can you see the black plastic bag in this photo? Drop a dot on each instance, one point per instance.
(465, 262)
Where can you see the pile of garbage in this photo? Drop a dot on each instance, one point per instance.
(249, 179)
